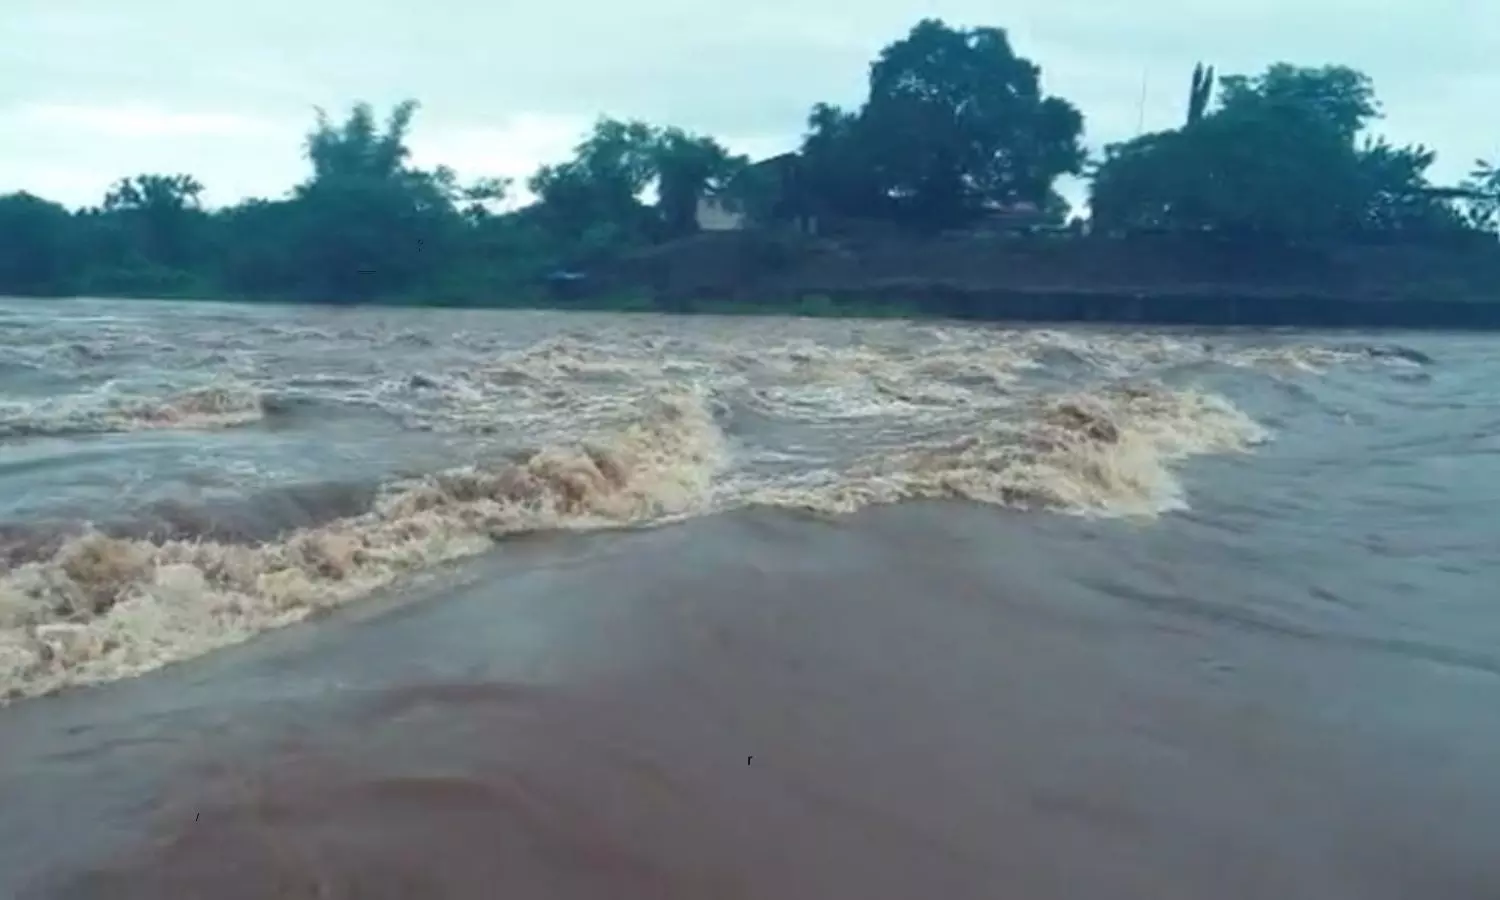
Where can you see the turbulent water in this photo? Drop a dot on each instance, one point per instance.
(176, 478)
(179, 478)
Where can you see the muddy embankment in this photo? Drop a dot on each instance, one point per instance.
(1138, 280)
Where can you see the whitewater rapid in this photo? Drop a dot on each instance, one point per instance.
(182, 478)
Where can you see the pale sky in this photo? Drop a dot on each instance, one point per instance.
(91, 90)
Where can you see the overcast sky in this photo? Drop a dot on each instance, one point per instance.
(91, 90)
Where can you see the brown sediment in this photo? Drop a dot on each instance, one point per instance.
(798, 710)
(222, 404)
(102, 606)
(634, 428)
(119, 600)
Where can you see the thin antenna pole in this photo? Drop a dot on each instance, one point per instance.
(1140, 120)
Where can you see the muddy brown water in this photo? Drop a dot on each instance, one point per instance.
(467, 605)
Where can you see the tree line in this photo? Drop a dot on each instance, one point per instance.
(955, 127)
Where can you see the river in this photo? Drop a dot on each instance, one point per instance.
(307, 602)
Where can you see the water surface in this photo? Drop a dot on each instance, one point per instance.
(996, 611)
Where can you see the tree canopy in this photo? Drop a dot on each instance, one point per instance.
(1481, 193)
(596, 200)
(953, 125)
(1284, 154)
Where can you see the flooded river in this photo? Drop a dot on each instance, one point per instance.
(359, 603)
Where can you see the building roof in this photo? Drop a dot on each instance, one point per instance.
(780, 159)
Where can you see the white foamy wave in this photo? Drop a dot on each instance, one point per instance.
(104, 608)
(824, 417)
(223, 404)
(1107, 452)
(1298, 358)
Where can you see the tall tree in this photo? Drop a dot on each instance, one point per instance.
(686, 166)
(597, 199)
(162, 216)
(37, 252)
(1278, 157)
(1237, 173)
(1200, 94)
(954, 122)
(366, 222)
(839, 163)
(594, 199)
(1337, 96)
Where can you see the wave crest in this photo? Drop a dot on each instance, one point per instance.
(101, 608)
(223, 404)
(1106, 452)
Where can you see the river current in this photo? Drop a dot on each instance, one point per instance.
(1075, 559)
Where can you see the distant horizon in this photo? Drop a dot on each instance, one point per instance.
(93, 93)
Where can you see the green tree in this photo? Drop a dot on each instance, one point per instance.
(1337, 96)
(594, 199)
(257, 248)
(1397, 194)
(482, 197)
(1201, 93)
(36, 246)
(1278, 157)
(956, 122)
(172, 194)
(839, 165)
(163, 216)
(686, 166)
(367, 223)
(1237, 173)
(1482, 194)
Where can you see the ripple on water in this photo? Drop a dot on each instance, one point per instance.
(634, 422)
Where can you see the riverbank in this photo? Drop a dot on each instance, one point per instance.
(1123, 307)
(942, 300)
(1162, 280)
(1143, 280)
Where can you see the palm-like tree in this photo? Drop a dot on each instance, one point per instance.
(1483, 190)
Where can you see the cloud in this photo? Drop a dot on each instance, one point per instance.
(512, 148)
(516, 148)
(227, 91)
(135, 121)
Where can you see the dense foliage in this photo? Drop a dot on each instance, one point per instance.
(954, 128)
(1285, 155)
(955, 125)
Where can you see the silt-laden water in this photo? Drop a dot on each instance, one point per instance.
(997, 611)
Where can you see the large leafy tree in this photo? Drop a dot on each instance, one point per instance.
(36, 247)
(686, 167)
(596, 199)
(1337, 97)
(954, 122)
(1241, 171)
(840, 166)
(260, 250)
(162, 216)
(366, 221)
(170, 194)
(1279, 157)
